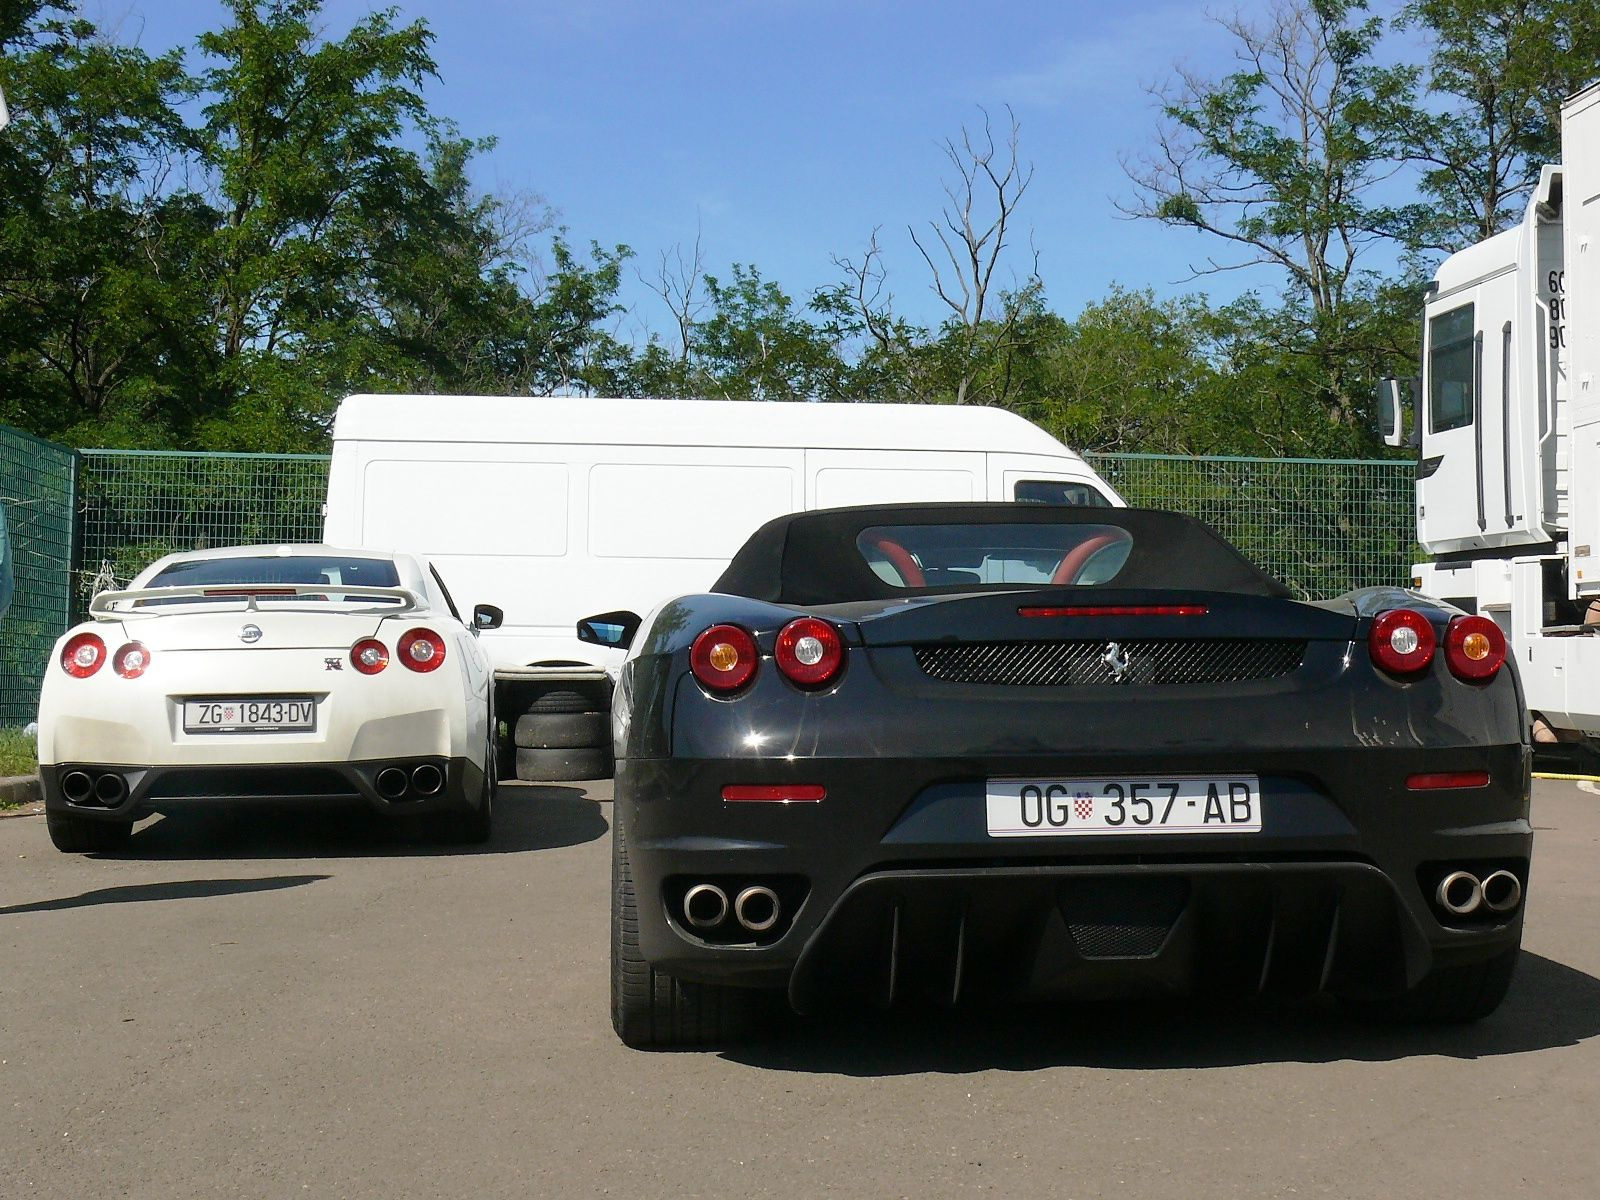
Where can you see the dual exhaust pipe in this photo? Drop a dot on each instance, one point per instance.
(1461, 893)
(104, 791)
(394, 783)
(756, 908)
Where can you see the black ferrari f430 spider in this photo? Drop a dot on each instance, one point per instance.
(956, 753)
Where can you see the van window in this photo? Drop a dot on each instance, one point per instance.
(1059, 491)
(652, 510)
(1450, 370)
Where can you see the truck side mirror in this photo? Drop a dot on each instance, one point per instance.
(1394, 396)
(614, 630)
(487, 616)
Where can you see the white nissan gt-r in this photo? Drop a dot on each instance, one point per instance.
(269, 672)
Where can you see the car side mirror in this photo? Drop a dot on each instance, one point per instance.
(487, 616)
(613, 629)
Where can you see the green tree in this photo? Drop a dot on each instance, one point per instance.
(1282, 161)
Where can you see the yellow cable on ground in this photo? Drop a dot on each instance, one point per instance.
(1553, 775)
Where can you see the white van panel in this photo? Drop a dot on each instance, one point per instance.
(456, 492)
(844, 477)
(654, 511)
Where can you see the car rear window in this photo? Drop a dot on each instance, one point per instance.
(266, 570)
(922, 556)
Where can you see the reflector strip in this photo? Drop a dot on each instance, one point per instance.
(1116, 610)
(1440, 780)
(774, 793)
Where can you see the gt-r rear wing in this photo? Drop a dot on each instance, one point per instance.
(388, 600)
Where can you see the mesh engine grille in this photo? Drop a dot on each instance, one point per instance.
(1057, 664)
(1119, 941)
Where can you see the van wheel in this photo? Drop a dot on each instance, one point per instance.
(552, 766)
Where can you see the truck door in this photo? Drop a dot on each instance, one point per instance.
(1462, 493)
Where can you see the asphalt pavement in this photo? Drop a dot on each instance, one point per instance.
(300, 1005)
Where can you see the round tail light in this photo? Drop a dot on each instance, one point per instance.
(723, 658)
(421, 650)
(130, 661)
(1402, 641)
(1474, 648)
(369, 656)
(83, 655)
(809, 652)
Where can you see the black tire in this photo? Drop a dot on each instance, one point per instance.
(551, 766)
(75, 835)
(651, 1010)
(475, 826)
(562, 731)
(564, 701)
(1447, 995)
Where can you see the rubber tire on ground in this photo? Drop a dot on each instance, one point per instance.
(651, 1010)
(562, 731)
(75, 835)
(1446, 995)
(475, 826)
(565, 701)
(552, 766)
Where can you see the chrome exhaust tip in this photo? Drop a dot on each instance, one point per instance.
(1459, 893)
(1502, 891)
(391, 783)
(427, 779)
(76, 786)
(705, 906)
(757, 908)
(110, 789)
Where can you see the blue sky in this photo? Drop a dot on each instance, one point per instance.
(785, 131)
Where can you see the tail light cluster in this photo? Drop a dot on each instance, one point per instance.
(85, 654)
(420, 650)
(808, 652)
(1402, 642)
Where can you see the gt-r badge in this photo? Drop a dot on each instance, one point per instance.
(333, 664)
(1116, 658)
(250, 633)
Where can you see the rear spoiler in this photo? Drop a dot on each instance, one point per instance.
(393, 599)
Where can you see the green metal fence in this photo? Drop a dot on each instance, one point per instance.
(36, 489)
(1323, 526)
(137, 505)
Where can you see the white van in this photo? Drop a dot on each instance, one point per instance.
(556, 508)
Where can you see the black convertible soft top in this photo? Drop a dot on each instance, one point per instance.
(808, 558)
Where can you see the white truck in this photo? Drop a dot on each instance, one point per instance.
(1507, 419)
(558, 508)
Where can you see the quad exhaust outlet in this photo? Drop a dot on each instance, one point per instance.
(705, 906)
(757, 908)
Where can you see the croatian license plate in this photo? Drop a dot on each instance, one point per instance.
(264, 714)
(1136, 804)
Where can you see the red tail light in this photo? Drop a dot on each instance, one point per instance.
(1402, 641)
(723, 658)
(809, 651)
(421, 650)
(130, 661)
(1474, 648)
(83, 655)
(369, 656)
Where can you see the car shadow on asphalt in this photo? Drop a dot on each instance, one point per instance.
(180, 889)
(526, 818)
(1549, 1005)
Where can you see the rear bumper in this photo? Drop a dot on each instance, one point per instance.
(122, 792)
(891, 887)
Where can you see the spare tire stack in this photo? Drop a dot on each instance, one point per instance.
(564, 734)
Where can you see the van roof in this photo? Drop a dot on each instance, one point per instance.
(578, 420)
